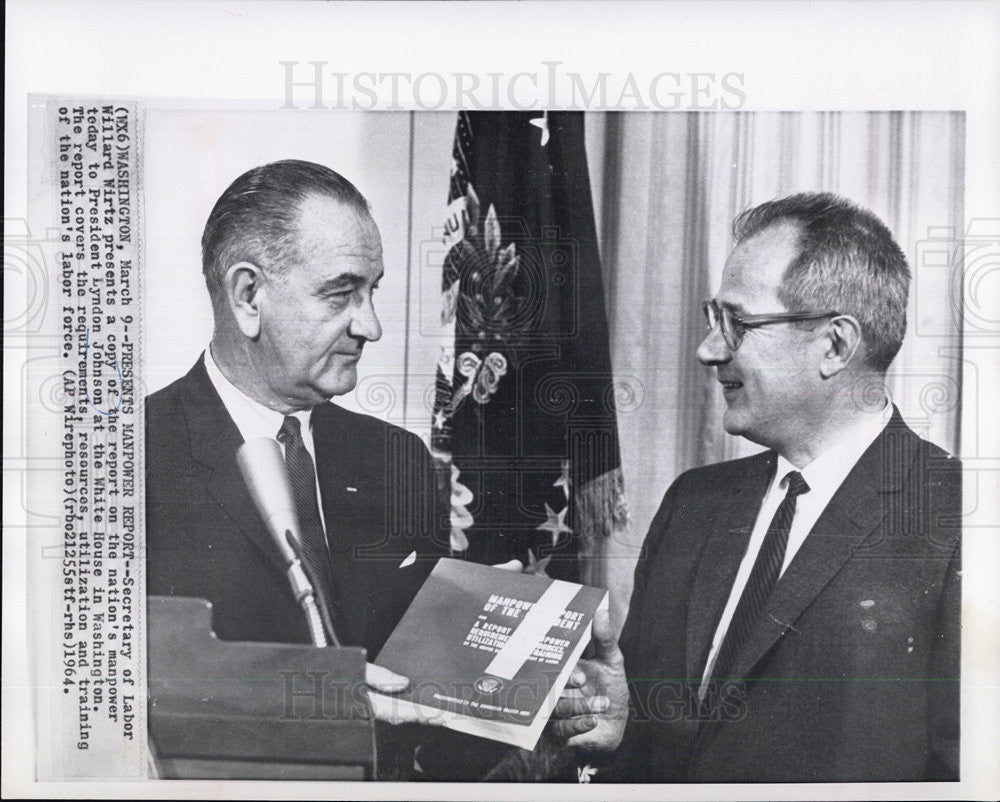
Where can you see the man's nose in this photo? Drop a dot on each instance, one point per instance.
(714, 350)
(364, 322)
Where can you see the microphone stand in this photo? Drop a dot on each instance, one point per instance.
(264, 471)
(302, 589)
(313, 604)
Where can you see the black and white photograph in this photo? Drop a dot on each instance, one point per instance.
(422, 429)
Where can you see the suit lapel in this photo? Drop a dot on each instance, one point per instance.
(856, 511)
(721, 557)
(214, 442)
(337, 469)
(333, 467)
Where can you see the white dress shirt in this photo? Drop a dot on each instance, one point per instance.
(824, 475)
(253, 419)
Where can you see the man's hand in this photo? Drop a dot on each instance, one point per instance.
(383, 680)
(385, 708)
(593, 709)
(511, 565)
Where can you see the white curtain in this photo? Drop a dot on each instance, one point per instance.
(667, 187)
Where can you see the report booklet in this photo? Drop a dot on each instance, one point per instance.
(488, 651)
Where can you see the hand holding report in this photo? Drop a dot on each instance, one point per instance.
(593, 709)
(487, 650)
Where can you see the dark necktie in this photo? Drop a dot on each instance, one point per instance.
(763, 578)
(302, 475)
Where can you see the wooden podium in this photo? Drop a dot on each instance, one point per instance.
(252, 711)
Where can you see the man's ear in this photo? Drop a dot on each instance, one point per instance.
(243, 286)
(843, 341)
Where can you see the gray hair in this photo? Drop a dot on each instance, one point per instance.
(848, 262)
(256, 219)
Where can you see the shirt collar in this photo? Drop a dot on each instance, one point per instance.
(251, 417)
(829, 470)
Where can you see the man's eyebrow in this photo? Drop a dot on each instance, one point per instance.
(345, 281)
(738, 308)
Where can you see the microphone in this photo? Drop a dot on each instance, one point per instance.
(263, 468)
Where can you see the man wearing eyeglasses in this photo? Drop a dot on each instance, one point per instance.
(795, 615)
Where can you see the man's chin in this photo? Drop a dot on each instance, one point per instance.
(740, 426)
(733, 422)
(344, 382)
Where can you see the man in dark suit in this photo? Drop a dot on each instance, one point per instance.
(795, 615)
(292, 259)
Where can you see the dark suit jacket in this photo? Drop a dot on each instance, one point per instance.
(206, 539)
(852, 672)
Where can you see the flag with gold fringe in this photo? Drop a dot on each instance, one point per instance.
(524, 424)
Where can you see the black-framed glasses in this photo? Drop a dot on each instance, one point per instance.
(734, 326)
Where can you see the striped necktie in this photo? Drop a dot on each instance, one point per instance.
(763, 578)
(302, 475)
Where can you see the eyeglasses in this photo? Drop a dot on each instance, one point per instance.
(734, 326)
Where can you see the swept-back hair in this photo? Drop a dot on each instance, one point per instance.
(848, 262)
(256, 219)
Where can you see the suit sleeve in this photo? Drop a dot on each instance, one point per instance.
(650, 545)
(943, 525)
(628, 763)
(415, 504)
(944, 695)
(440, 527)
